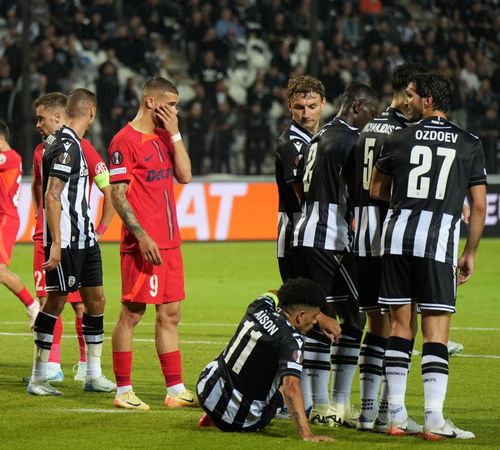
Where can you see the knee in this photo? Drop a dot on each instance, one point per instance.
(130, 318)
(169, 320)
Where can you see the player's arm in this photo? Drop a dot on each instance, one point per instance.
(380, 186)
(294, 399)
(147, 246)
(108, 211)
(180, 157)
(36, 194)
(476, 224)
(53, 208)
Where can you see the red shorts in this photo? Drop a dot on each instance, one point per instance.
(143, 282)
(39, 275)
(9, 226)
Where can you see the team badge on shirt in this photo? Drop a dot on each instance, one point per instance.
(3, 158)
(100, 168)
(117, 158)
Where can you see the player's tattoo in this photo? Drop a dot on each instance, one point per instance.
(55, 187)
(124, 209)
(294, 414)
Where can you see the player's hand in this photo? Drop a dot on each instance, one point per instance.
(97, 236)
(329, 327)
(168, 117)
(465, 214)
(318, 438)
(150, 251)
(465, 268)
(54, 258)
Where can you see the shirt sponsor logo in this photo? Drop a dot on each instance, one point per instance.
(118, 171)
(161, 174)
(62, 168)
(100, 168)
(116, 158)
(64, 158)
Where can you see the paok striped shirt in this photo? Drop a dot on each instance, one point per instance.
(63, 158)
(432, 165)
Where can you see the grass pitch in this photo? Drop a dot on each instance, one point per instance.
(221, 279)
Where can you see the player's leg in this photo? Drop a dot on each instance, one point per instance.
(12, 282)
(80, 368)
(92, 293)
(345, 352)
(437, 303)
(371, 359)
(397, 291)
(43, 332)
(170, 279)
(136, 277)
(315, 264)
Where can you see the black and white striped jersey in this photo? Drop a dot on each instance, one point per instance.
(63, 158)
(242, 380)
(326, 216)
(289, 165)
(369, 214)
(432, 165)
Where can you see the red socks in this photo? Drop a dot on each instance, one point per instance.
(122, 367)
(171, 367)
(55, 350)
(81, 340)
(25, 297)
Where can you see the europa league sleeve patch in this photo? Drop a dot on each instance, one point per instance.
(64, 158)
(116, 158)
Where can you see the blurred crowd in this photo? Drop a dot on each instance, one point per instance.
(231, 61)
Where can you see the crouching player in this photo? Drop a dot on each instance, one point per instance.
(259, 370)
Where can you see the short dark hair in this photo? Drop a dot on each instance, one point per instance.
(4, 130)
(402, 74)
(79, 100)
(435, 85)
(300, 292)
(303, 85)
(52, 100)
(159, 84)
(359, 92)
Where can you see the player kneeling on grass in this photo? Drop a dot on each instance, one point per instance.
(259, 370)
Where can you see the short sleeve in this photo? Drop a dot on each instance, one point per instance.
(65, 159)
(291, 355)
(478, 170)
(384, 160)
(121, 154)
(292, 159)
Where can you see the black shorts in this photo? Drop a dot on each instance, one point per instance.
(369, 283)
(287, 266)
(429, 283)
(335, 271)
(78, 268)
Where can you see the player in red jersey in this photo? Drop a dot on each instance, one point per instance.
(145, 156)
(10, 185)
(51, 114)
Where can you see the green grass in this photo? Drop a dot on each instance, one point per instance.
(221, 279)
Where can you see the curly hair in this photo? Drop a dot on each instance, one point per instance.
(304, 85)
(300, 292)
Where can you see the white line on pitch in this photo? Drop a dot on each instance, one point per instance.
(109, 338)
(209, 324)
